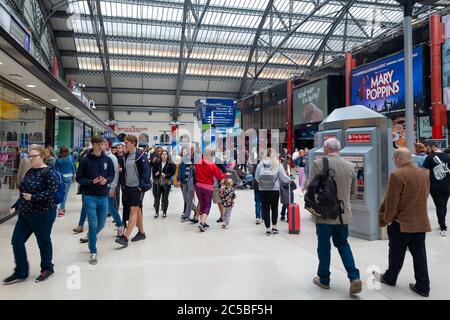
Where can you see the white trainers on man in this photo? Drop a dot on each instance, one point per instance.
(93, 259)
(444, 233)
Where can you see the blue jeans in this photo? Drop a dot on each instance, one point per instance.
(257, 203)
(82, 213)
(96, 208)
(68, 183)
(112, 208)
(339, 234)
(41, 225)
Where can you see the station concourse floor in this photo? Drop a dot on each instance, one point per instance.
(177, 262)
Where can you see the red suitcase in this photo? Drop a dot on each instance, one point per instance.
(294, 218)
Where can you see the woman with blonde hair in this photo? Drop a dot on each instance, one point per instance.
(268, 173)
(37, 212)
(205, 172)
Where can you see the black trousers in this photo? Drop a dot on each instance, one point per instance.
(270, 201)
(398, 243)
(440, 199)
(162, 195)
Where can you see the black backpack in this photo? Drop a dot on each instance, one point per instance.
(321, 197)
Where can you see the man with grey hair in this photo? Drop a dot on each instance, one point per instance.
(337, 229)
(404, 210)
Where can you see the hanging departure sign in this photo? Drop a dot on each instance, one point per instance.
(218, 112)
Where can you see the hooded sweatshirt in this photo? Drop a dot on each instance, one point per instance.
(92, 167)
(115, 162)
(265, 167)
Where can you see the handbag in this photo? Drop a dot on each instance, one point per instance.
(163, 181)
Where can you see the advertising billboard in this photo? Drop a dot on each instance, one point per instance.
(78, 135)
(446, 62)
(380, 85)
(310, 103)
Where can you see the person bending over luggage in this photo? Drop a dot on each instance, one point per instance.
(286, 197)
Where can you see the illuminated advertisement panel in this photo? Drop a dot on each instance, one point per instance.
(380, 85)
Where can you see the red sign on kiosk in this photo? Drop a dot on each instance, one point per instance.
(365, 138)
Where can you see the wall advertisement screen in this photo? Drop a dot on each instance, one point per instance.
(310, 102)
(446, 62)
(380, 85)
(78, 136)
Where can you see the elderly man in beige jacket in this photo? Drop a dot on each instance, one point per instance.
(345, 178)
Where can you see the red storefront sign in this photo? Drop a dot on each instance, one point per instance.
(365, 138)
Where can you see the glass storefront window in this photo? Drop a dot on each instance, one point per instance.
(22, 123)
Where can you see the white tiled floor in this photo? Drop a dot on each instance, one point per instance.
(178, 262)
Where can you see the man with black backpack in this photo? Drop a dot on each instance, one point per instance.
(328, 198)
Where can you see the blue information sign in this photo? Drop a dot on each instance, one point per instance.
(218, 112)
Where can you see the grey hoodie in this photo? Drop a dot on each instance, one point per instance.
(113, 185)
(264, 167)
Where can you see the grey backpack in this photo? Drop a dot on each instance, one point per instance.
(267, 178)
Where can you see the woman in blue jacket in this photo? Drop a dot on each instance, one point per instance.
(65, 165)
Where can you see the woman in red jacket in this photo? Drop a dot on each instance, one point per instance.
(205, 172)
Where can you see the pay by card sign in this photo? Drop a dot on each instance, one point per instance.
(365, 138)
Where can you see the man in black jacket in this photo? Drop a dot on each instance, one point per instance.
(121, 159)
(154, 159)
(438, 163)
(95, 172)
(137, 182)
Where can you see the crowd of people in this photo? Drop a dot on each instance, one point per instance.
(126, 173)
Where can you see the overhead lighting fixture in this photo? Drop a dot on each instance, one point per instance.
(66, 108)
(25, 99)
(15, 76)
(1, 63)
(31, 86)
(54, 100)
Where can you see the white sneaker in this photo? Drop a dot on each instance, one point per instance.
(93, 258)
(120, 231)
(258, 221)
(443, 233)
